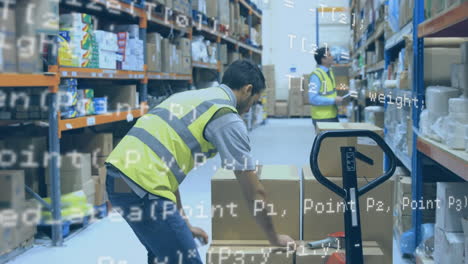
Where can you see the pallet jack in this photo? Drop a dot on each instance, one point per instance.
(350, 191)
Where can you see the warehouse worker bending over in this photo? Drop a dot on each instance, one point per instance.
(169, 141)
(322, 89)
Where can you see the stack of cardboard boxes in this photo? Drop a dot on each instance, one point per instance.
(154, 52)
(269, 74)
(295, 99)
(120, 98)
(433, 8)
(234, 228)
(19, 230)
(403, 202)
(98, 146)
(459, 76)
(449, 236)
(234, 19)
(184, 50)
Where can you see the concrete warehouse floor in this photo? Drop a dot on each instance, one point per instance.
(280, 141)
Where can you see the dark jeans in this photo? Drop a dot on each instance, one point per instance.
(325, 120)
(161, 229)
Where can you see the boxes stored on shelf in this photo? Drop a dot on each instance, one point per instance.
(223, 54)
(320, 205)
(452, 196)
(437, 64)
(199, 5)
(448, 247)
(153, 58)
(233, 220)
(166, 51)
(224, 12)
(212, 8)
(329, 157)
(100, 186)
(459, 77)
(169, 4)
(12, 189)
(257, 251)
(8, 35)
(185, 46)
(98, 144)
(464, 52)
(181, 6)
(281, 108)
(186, 65)
(75, 173)
(121, 98)
(371, 252)
(132, 29)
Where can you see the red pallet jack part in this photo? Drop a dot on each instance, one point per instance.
(337, 258)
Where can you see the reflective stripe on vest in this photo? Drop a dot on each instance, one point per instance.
(159, 149)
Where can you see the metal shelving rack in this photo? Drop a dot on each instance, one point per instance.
(51, 79)
(450, 23)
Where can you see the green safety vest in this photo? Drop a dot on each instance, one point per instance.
(163, 146)
(327, 89)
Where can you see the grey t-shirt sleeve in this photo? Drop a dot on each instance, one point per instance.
(228, 134)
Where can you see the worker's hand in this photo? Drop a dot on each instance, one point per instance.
(284, 241)
(338, 100)
(200, 233)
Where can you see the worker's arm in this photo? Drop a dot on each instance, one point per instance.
(255, 193)
(314, 96)
(196, 231)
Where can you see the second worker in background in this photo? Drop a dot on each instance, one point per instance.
(322, 89)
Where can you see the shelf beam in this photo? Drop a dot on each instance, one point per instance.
(27, 80)
(451, 23)
(454, 160)
(72, 72)
(204, 65)
(169, 76)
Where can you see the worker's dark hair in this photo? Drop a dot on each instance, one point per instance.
(244, 72)
(320, 54)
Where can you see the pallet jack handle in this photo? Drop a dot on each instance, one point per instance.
(350, 133)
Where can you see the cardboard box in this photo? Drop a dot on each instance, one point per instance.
(26, 227)
(100, 186)
(323, 211)
(8, 34)
(306, 111)
(281, 108)
(452, 196)
(445, 242)
(12, 189)
(231, 217)
(212, 8)
(74, 173)
(437, 65)
(371, 251)
(97, 144)
(166, 61)
(34, 146)
(295, 97)
(152, 58)
(329, 157)
(9, 238)
(186, 67)
(121, 98)
(223, 54)
(185, 45)
(231, 252)
(464, 52)
(459, 77)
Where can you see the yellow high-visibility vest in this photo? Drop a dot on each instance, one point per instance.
(163, 146)
(327, 89)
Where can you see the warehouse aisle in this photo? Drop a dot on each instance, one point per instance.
(111, 238)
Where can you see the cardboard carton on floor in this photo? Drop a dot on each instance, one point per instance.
(100, 186)
(232, 219)
(452, 197)
(11, 189)
(27, 227)
(448, 242)
(371, 251)
(74, 173)
(323, 211)
(231, 252)
(329, 157)
(8, 241)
